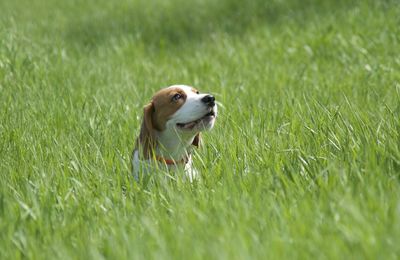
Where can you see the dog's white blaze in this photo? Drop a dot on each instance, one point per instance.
(192, 109)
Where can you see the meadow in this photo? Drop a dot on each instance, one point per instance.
(303, 162)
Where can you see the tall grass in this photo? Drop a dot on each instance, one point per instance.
(304, 160)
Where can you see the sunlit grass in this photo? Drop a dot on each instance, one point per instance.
(304, 160)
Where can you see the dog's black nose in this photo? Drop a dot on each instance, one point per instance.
(209, 100)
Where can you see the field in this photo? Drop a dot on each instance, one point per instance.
(303, 163)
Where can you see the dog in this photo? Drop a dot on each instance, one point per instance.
(171, 127)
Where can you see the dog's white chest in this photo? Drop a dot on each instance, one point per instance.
(148, 167)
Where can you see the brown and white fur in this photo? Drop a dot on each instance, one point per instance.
(171, 126)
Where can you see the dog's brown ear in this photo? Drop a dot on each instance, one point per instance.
(147, 140)
(196, 140)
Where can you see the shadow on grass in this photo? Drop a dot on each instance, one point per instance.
(175, 22)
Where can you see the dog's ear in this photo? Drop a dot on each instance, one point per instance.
(147, 140)
(196, 140)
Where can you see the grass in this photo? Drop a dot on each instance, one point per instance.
(304, 161)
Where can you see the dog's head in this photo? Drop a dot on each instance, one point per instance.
(182, 109)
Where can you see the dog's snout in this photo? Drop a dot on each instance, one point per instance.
(209, 100)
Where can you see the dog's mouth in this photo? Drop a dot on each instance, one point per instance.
(203, 120)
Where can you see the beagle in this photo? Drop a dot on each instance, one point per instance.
(171, 126)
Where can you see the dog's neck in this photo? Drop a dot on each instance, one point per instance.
(174, 145)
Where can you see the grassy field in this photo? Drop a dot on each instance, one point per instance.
(304, 161)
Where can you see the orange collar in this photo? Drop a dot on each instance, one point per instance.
(172, 162)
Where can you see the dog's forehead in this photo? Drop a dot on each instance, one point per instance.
(187, 89)
(165, 94)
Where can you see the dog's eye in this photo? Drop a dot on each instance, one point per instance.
(197, 92)
(176, 97)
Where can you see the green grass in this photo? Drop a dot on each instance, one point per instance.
(304, 161)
